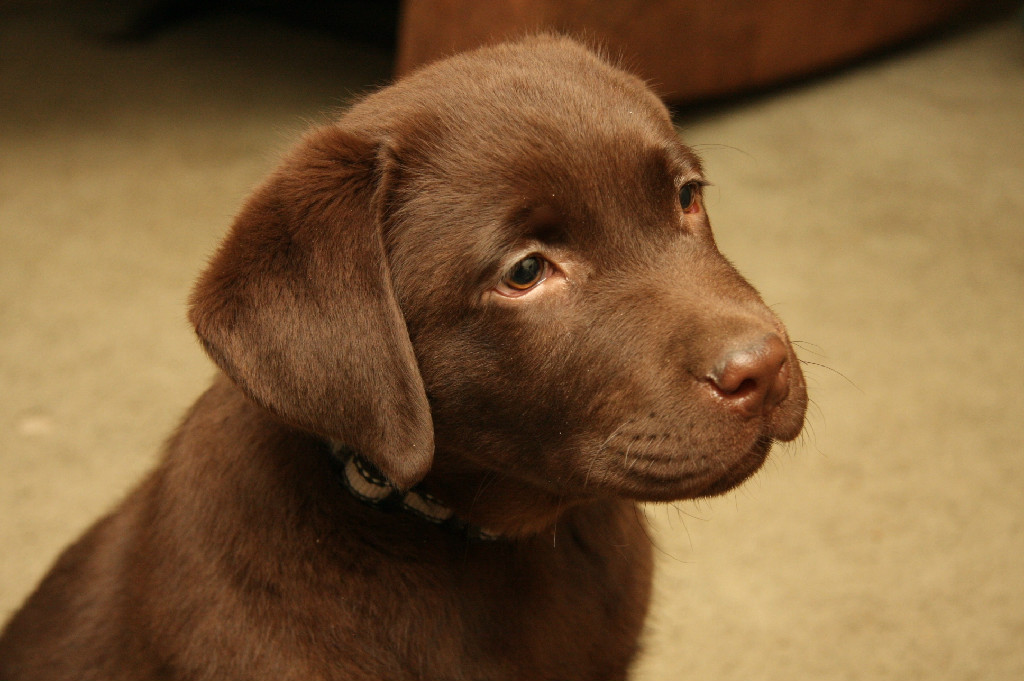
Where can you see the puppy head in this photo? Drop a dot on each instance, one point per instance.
(518, 233)
(575, 324)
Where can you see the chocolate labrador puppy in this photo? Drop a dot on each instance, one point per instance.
(462, 331)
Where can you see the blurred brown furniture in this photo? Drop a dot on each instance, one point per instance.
(687, 49)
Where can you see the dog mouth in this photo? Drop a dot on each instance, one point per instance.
(742, 469)
(662, 476)
(653, 459)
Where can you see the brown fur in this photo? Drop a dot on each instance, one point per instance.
(359, 300)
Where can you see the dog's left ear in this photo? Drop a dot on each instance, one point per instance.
(298, 308)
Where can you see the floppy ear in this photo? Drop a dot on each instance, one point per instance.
(297, 307)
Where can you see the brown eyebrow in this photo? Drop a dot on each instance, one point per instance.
(684, 159)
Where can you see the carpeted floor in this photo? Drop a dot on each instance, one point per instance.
(880, 211)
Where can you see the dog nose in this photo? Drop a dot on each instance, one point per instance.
(752, 378)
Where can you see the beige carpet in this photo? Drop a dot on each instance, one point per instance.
(880, 211)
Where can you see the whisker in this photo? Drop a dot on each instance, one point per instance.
(709, 145)
(810, 347)
(681, 516)
(488, 479)
(835, 371)
(645, 526)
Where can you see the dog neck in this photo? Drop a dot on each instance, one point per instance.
(367, 484)
(514, 507)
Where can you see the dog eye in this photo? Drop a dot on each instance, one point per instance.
(688, 195)
(526, 274)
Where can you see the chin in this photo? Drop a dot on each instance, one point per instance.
(675, 478)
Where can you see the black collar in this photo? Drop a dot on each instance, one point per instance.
(370, 486)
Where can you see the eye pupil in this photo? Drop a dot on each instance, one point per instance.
(525, 273)
(687, 196)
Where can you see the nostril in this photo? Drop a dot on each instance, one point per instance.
(754, 378)
(747, 385)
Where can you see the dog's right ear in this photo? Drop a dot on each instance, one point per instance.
(297, 307)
